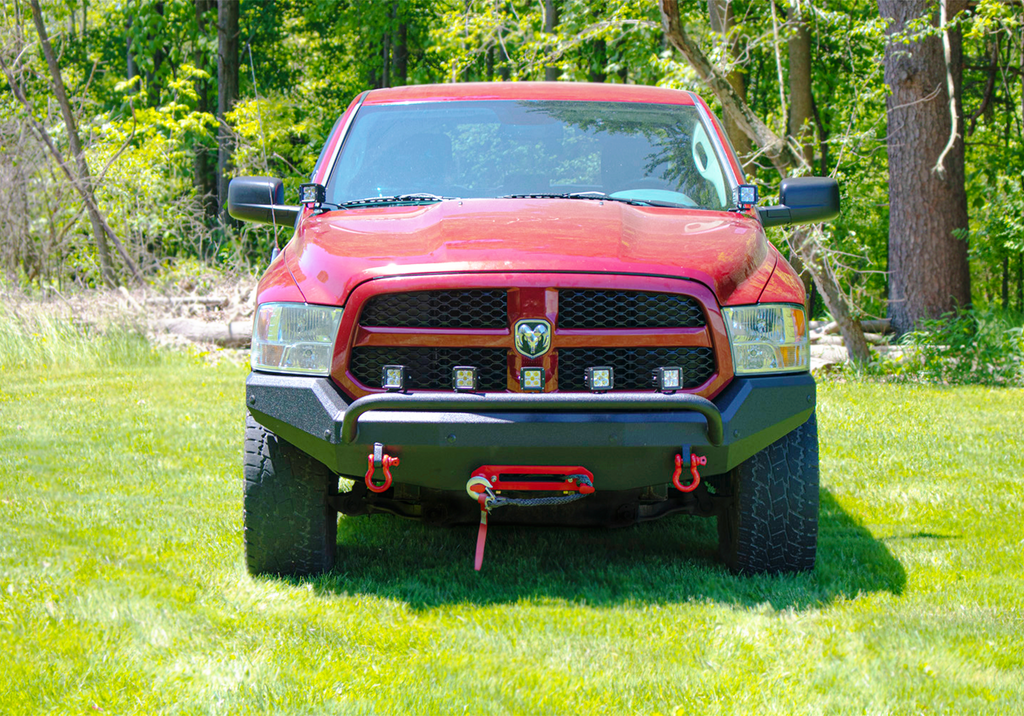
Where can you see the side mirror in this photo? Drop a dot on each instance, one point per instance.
(805, 200)
(260, 199)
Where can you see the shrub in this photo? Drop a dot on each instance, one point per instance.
(966, 346)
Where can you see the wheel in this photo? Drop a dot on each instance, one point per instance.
(770, 522)
(290, 527)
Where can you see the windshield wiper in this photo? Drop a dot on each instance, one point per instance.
(417, 198)
(595, 195)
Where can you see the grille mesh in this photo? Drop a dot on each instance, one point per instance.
(592, 308)
(475, 308)
(633, 367)
(430, 368)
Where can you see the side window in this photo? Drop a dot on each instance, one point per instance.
(706, 163)
(323, 151)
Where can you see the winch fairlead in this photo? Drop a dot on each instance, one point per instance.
(486, 485)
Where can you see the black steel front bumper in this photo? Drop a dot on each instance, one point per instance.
(627, 440)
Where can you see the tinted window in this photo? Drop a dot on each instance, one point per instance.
(495, 148)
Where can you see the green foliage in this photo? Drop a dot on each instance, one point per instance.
(305, 62)
(969, 346)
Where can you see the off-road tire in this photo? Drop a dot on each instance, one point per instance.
(290, 528)
(770, 522)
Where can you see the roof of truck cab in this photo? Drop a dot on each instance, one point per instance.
(570, 91)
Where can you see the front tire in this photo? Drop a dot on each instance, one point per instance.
(290, 526)
(769, 524)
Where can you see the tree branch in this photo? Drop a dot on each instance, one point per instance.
(954, 127)
(775, 147)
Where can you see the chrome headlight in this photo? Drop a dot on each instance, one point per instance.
(294, 338)
(770, 338)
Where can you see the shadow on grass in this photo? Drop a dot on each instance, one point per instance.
(672, 560)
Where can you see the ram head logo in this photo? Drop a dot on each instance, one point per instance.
(533, 337)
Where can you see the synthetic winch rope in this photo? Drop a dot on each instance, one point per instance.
(495, 501)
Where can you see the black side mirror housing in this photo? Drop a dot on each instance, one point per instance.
(260, 199)
(805, 200)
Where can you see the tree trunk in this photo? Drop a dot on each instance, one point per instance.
(153, 88)
(928, 272)
(1006, 283)
(1020, 282)
(401, 54)
(801, 109)
(227, 94)
(598, 61)
(202, 171)
(551, 73)
(82, 166)
(801, 100)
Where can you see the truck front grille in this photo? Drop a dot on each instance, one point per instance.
(482, 308)
(633, 367)
(430, 368)
(589, 308)
(634, 332)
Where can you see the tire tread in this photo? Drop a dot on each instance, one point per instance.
(771, 524)
(289, 526)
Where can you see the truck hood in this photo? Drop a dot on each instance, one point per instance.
(336, 251)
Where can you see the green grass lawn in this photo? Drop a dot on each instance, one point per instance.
(123, 590)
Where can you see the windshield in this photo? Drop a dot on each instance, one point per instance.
(470, 149)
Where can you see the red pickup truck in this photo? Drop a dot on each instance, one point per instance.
(545, 303)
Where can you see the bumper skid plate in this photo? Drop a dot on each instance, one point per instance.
(629, 440)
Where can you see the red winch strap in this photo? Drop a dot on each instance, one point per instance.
(481, 535)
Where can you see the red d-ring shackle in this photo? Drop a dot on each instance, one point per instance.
(387, 462)
(695, 460)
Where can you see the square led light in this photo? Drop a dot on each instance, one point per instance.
(746, 196)
(312, 194)
(668, 379)
(464, 378)
(531, 380)
(394, 377)
(600, 379)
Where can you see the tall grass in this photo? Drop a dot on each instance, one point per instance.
(48, 339)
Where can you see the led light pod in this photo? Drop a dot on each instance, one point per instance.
(745, 196)
(600, 379)
(464, 378)
(767, 338)
(531, 380)
(312, 194)
(668, 379)
(394, 377)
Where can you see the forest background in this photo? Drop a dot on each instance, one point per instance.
(121, 122)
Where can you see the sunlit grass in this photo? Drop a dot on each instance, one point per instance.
(122, 584)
